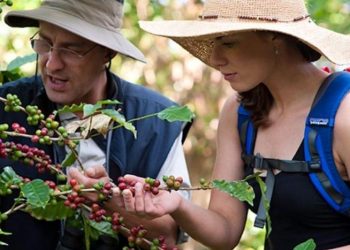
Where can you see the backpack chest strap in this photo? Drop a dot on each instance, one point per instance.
(291, 166)
(260, 163)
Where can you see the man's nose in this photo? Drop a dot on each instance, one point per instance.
(54, 61)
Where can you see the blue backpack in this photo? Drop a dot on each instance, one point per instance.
(318, 137)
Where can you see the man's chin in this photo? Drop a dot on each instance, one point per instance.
(60, 101)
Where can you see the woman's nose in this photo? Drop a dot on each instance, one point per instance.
(217, 59)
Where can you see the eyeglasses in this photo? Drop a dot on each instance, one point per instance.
(43, 48)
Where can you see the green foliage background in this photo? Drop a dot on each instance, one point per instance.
(174, 72)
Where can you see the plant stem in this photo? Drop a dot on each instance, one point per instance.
(186, 188)
(14, 209)
(142, 117)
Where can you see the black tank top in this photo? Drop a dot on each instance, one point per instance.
(298, 213)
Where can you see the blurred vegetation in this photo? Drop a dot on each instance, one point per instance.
(174, 72)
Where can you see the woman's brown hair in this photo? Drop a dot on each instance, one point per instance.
(259, 100)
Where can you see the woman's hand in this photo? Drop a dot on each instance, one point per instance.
(146, 204)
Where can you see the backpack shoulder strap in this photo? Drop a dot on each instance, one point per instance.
(246, 130)
(318, 140)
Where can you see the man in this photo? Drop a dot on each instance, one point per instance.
(74, 43)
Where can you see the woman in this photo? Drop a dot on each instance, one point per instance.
(265, 50)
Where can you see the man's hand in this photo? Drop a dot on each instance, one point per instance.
(89, 178)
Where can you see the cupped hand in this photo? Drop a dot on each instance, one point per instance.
(89, 178)
(146, 204)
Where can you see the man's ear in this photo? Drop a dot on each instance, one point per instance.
(110, 54)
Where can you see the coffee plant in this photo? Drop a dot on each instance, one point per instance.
(50, 201)
(47, 200)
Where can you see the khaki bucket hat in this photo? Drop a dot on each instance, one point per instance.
(98, 21)
(223, 17)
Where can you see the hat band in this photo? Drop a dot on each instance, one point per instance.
(255, 18)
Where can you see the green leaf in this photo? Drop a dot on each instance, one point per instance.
(94, 230)
(51, 212)
(37, 193)
(8, 175)
(238, 189)
(115, 115)
(175, 113)
(69, 160)
(108, 102)
(120, 119)
(102, 227)
(19, 61)
(90, 109)
(71, 108)
(129, 126)
(307, 245)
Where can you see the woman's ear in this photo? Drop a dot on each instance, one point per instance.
(278, 38)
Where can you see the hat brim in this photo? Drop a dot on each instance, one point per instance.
(111, 39)
(197, 36)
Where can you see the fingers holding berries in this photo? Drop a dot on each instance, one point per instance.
(90, 177)
(129, 201)
(139, 198)
(133, 178)
(97, 172)
(145, 197)
(117, 198)
(97, 186)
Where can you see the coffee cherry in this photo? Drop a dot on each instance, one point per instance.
(15, 126)
(12, 103)
(122, 186)
(3, 217)
(155, 190)
(73, 182)
(156, 183)
(177, 185)
(147, 187)
(169, 183)
(61, 177)
(97, 213)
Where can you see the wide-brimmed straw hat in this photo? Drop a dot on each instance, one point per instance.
(98, 21)
(223, 17)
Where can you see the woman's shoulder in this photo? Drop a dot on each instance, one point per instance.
(229, 114)
(231, 103)
(230, 107)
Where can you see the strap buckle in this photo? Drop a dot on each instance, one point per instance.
(315, 164)
(258, 161)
